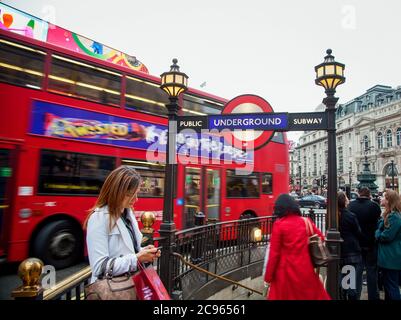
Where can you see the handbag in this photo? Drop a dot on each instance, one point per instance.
(109, 287)
(318, 251)
(149, 285)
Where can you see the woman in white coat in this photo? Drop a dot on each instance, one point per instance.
(112, 230)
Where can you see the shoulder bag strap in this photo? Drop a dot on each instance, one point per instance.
(103, 268)
(109, 273)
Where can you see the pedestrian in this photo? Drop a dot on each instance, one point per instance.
(112, 230)
(350, 249)
(388, 235)
(368, 214)
(289, 273)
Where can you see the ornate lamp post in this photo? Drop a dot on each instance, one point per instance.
(173, 83)
(329, 75)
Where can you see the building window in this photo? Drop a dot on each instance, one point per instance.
(380, 140)
(399, 137)
(340, 159)
(389, 139)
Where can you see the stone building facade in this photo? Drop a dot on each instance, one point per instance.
(367, 126)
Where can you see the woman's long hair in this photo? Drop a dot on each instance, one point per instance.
(285, 205)
(342, 200)
(117, 185)
(393, 204)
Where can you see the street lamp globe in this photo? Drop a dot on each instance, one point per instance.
(174, 82)
(330, 73)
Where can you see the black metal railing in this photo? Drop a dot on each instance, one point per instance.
(219, 248)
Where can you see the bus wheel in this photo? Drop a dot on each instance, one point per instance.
(59, 244)
(247, 215)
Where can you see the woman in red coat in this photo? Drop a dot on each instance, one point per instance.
(289, 271)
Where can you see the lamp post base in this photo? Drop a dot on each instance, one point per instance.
(333, 242)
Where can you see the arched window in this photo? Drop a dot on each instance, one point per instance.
(389, 136)
(399, 137)
(380, 140)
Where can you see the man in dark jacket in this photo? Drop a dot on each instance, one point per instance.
(368, 214)
(350, 247)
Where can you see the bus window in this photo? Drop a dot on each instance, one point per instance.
(212, 205)
(278, 137)
(72, 173)
(152, 175)
(81, 80)
(267, 183)
(242, 186)
(199, 106)
(20, 65)
(145, 97)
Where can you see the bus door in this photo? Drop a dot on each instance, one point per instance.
(211, 204)
(5, 175)
(192, 196)
(202, 193)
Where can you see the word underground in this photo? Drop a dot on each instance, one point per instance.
(246, 122)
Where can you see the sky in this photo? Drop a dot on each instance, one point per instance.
(263, 47)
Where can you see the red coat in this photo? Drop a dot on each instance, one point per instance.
(289, 269)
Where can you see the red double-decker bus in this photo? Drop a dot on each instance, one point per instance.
(68, 118)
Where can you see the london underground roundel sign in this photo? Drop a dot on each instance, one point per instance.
(249, 103)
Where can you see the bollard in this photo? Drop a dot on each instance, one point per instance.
(29, 271)
(199, 219)
(148, 218)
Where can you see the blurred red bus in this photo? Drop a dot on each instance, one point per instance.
(68, 119)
